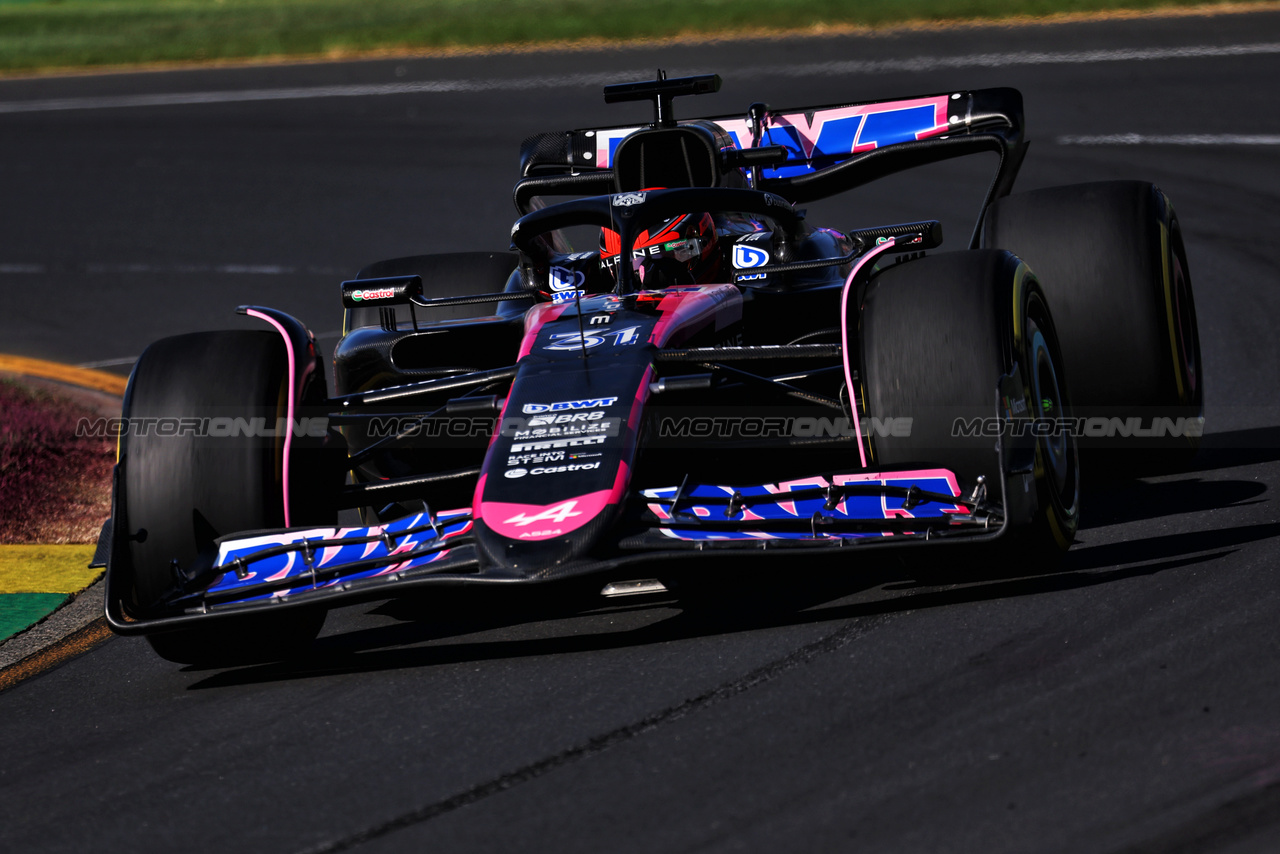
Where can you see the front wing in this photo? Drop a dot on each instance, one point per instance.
(326, 566)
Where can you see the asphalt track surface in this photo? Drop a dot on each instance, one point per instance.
(1124, 703)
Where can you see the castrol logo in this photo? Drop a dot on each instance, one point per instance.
(362, 296)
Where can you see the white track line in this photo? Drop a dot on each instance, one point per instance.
(1004, 60)
(233, 269)
(1172, 139)
(426, 87)
(13, 269)
(872, 66)
(109, 363)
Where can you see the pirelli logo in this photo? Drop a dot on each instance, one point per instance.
(551, 444)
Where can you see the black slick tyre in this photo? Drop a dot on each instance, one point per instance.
(183, 488)
(938, 335)
(1111, 260)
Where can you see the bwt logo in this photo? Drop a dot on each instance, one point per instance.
(565, 279)
(745, 257)
(567, 405)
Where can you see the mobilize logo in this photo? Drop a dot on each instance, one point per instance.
(363, 296)
(568, 405)
(607, 426)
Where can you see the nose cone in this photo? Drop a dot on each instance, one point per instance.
(521, 537)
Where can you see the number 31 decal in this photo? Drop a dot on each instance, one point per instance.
(578, 341)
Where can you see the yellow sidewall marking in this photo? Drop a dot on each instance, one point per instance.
(1018, 281)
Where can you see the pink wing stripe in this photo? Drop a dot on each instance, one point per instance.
(293, 390)
(844, 340)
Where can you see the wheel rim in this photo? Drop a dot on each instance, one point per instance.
(1049, 406)
(1188, 343)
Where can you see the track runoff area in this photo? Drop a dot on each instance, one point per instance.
(39, 579)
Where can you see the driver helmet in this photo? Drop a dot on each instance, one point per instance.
(682, 250)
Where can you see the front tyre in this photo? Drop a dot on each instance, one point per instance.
(939, 337)
(202, 460)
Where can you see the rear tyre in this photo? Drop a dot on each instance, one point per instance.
(181, 490)
(938, 334)
(1111, 259)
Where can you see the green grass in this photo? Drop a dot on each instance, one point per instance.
(36, 34)
(21, 611)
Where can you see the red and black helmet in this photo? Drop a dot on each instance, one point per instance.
(681, 251)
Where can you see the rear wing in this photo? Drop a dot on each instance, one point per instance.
(828, 149)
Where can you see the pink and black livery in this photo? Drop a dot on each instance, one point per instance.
(566, 375)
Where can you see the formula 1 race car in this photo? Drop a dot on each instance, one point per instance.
(672, 366)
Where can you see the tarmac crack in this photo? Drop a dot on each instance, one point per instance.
(843, 636)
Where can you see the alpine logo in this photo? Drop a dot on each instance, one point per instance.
(567, 405)
(555, 513)
(746, 257)
(626, 200)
